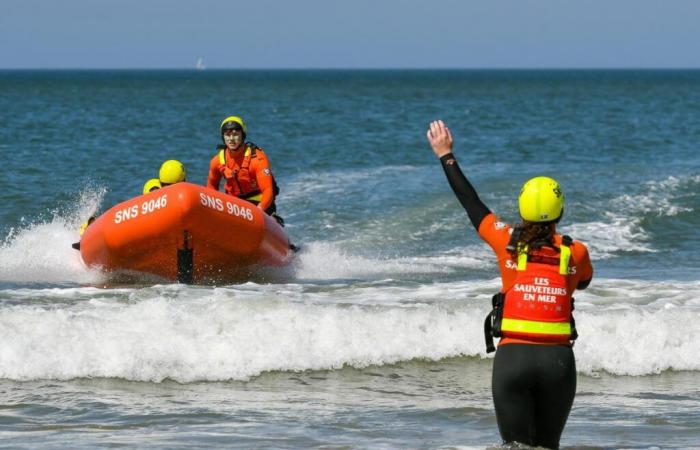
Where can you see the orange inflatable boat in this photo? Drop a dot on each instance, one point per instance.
(187, 233)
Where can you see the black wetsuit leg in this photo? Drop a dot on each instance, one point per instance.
(533, 390)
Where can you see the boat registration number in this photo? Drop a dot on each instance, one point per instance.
(141, 210)
(228, 207)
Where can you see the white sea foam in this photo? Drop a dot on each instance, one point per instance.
(343, 183)
(638, 327)
(42, 252)
(606, 239)
(622, 230)
(226, 334)
(658, 197)
(192, 333)
(327, 261)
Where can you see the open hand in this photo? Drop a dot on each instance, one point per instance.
(440, 138)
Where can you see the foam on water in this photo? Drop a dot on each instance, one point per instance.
(346, 183)
(193, 333)
(622, 230)
(607, 239)
(659, 198)
(224, 334)
(638, 327)
(42, 252)
(327, 261)
(237, 332)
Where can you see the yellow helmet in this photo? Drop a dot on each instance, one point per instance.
(541, 200)
(151, 185)
(172, 171)
(232, 123)
(86, 224)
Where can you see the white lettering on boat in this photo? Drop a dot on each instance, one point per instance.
(126, 214)
(147, 207)
(154, 204)
(239, 211)
(231, 208)
(211, 202)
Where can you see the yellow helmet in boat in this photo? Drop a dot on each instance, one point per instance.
(172, 171)
(151, 185)
(541, 200)
(233, 123)
(84, 226)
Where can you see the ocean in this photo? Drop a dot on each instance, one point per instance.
(372, 338)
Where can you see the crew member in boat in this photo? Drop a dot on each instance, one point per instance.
(171, 171)
(244, 167)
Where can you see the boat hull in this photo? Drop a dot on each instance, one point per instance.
(187, 233)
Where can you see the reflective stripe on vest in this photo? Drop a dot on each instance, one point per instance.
(532, 327)
(254, 198)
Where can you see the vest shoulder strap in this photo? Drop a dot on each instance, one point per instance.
(565, 255)
(522, 257)
(250, 152)
(251, 149)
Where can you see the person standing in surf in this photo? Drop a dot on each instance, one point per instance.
(534, 373)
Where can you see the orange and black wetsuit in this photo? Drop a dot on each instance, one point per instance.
(247, 175)
(533, 382)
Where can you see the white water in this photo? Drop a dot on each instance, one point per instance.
(320, 320)
(191, 333)
(42, 252)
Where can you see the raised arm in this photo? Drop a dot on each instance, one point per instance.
(441, 141)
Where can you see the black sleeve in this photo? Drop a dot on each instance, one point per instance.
(464, 191)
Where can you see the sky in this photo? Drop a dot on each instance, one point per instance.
(263, 34)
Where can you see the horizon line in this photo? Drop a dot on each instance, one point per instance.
(251, 69)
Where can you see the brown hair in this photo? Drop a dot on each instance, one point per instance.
(531, 234)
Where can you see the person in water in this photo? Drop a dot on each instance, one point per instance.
(244, 167)
(534, 372)
(171, 171)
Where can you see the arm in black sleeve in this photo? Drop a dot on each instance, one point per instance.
(464, 191)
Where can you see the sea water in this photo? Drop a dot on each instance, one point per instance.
(372, 338)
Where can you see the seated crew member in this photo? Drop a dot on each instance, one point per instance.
(171, 171)
(151, 185)
(244, 167)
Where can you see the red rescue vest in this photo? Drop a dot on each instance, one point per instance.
(538, 306)
(239, 182)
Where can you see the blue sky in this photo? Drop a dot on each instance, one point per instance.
(354, 34)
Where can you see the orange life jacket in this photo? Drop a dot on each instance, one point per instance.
(239, 182)
(538, 306)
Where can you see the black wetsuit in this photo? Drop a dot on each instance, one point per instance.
(533, 386)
